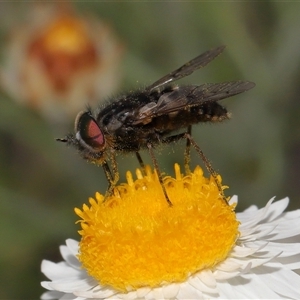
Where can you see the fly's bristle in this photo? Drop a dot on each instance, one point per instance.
(63, 140)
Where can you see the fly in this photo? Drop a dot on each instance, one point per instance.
(147, 117)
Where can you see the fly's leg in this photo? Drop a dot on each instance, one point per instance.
(177, 137)
(155, 163)
(207, 164)
(107, 172)
(141, 162)
(173, 138)
(115, 171)
(191, 142)
(187, 152)
(111, 176)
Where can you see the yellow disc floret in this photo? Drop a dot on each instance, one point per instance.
(135, 239)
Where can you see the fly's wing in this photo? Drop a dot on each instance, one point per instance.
(188, 68)
(183, 97)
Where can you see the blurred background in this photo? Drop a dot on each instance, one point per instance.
(56, 59)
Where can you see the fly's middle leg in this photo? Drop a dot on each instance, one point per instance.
(155, 163)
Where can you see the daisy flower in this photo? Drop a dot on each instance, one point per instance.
(134, 245)
(59, 61)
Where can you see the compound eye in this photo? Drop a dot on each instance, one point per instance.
(88, 133)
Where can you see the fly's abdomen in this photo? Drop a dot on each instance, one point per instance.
(206, 112)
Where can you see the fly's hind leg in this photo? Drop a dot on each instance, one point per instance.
(187, 152)
(191, 142)
(207, 163)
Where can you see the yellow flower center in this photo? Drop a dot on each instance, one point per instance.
(135, 239)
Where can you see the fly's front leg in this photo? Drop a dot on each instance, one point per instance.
(111, 176)
(115, 171)
(155, 163)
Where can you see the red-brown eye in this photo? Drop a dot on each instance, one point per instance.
(88, 133)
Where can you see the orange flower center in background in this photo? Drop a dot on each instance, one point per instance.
(63, 48)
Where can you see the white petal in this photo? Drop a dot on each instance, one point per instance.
(286, 229)
(291, 262)
(96, 292)
(170, 290)
(188, 292)
(198, 284)
(227, 291)
(247, 287)
(206, 276)
(231, 265)
(276, 209)
(280, 280)
(255, 262)
(238, 251)
(72, 285)
(250, 210)
(287, 249)
(256, 232)
(156, 293)
(222, 276)
(52, 295)
(69, 257)
(70, 297)
(233, 199)
(142, 292)
(291, 214)
(251, 218)
(58, 270)
(73, 246)
(129, 296)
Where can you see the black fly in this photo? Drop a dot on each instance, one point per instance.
(147, 117)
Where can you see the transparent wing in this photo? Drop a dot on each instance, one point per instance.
(188, 68)
(188, 96)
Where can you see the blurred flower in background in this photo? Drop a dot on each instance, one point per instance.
(58, 61)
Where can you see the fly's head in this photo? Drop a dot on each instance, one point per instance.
(88, 139)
